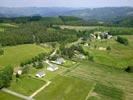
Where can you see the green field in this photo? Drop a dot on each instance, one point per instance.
(120, 55)
(14, 55)
(4, 26)
(105, 77)
(26, 85)
(95, 27)
(66, 88)
(5, 96)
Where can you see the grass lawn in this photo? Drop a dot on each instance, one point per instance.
(5, 96)
(26, 85)
(14, 55)
(49, 75)
(68, 63)
(65, 88)
(108, 78)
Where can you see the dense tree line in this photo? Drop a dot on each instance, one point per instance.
(6, 76)
(69, 52)
(37, 58)
(36, 32)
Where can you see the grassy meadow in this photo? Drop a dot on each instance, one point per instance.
(26, 85)
(120, 56)
(4, 26)
(65, 88)
(102, 28)
(105, 77)
(14, 55)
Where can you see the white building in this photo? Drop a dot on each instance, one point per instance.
(52, 68)
(19, 72)
(59, 61)
(98, 37)
(40, 74)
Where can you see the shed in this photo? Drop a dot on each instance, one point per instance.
(52, 68)
(40, 74)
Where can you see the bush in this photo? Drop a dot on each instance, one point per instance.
(122, 40)
(1, 50)
(109, 48)
(6, 76)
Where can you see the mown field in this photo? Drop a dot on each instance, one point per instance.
(14, 55)
(66, 88)
(111, 83)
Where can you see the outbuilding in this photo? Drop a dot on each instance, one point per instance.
(40, 74)
(52, 68)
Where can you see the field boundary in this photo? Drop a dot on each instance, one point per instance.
(89, 94)
(16, 94)
(40, 89)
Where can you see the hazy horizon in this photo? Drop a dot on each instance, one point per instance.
(67, 3)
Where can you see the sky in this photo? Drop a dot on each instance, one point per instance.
(66, 3)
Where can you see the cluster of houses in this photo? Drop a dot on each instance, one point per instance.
(51, 67)
(100, 35)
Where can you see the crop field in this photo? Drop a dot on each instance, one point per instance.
(107, 77)
(66, 88)
(26, 85)
(14, 55)
(5, 96)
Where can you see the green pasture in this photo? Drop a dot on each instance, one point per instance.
(26, 85)
(65, 88)
(14, 55)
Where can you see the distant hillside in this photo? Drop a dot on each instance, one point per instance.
(30, 11)
(102, 14)
(111, 15)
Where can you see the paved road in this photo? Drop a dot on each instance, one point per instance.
(16, 94)
(52, 54)
(39, 90)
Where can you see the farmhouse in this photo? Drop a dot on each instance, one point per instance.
(106, 35)
(60, 60)
(40, 74)
(81, 56)
(86, 44)
(52, 68)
